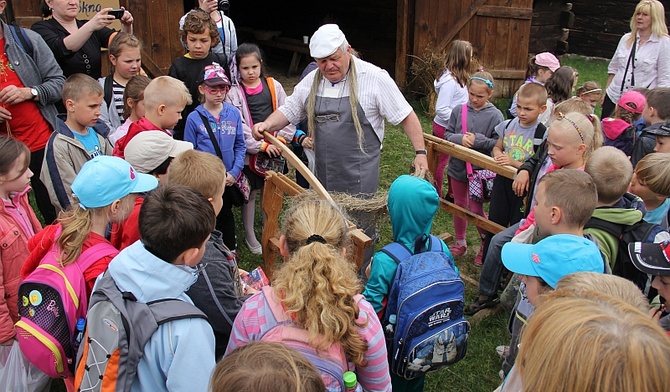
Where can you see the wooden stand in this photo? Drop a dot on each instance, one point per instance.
(296, 46)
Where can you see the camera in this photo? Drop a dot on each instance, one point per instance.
(118, 13)
(223, 5)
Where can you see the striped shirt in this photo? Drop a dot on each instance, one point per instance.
(255, 319)
(117, 98)
(378, 95)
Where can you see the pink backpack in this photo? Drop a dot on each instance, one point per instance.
(332, 364)
(51, 300)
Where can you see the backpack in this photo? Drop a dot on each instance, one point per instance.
(624, 142)
(423, 322)
(641, 231)
(21, 38)
(51, 300)
(117, 329)
(331, 365)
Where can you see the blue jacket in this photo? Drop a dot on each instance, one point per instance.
(228, 132)
(412, 204)
(180, 354)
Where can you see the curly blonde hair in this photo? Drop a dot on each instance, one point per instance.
(316, 285)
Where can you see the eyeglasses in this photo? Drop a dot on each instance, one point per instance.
(216, 90)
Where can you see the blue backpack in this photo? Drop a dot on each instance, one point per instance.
(423, 322)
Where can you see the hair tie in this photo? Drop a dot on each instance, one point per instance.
(591, 118)
(488, 82)
(315, 238)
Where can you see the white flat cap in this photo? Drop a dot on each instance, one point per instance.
(149, 149)
(325, 41)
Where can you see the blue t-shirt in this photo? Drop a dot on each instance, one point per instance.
(658, 214)
(90, 142)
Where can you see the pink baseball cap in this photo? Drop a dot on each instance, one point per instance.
(632, 101)
(546, 59)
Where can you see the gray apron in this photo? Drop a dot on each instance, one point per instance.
(341, 166)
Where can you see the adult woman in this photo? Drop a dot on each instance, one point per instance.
(642, 58)
(29, 87)
(315, 292)
(76, 43)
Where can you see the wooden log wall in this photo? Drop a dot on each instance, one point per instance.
(599, 25)
(550, 26)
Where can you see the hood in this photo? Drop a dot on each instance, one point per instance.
(446, 76)
(149, 278)
(627, 211)
(136, 127)
(412, 204)
(613, 127)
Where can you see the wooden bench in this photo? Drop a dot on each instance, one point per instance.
(296, 46)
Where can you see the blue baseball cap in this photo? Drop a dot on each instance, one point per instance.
(553, 257)
(104, 179)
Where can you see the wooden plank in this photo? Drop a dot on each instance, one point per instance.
(272, 203)
(507, 73)
(465, 18)
(402, 46)
(471, 217)
(470, 155)
(495, 11)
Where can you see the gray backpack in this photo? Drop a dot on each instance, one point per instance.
(117, 328)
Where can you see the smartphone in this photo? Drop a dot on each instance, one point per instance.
(118, 13)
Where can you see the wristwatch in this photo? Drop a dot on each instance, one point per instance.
(34, 92)
(421, 152)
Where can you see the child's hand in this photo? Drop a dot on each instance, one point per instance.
(520, 184)
(242, 272)
(248, 290)
(503, 159)
(273, 151)
(308, 143)
(230, 180)
(468, 140)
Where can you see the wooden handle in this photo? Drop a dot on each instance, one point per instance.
(299, 166)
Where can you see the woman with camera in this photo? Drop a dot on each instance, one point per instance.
(74, 42)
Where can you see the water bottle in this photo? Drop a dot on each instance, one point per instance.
(78, 335)
(389, 330)
(351, 383)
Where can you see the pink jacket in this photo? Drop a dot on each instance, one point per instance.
(13, 252)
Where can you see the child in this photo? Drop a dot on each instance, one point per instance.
(451, 93)
(662, 134)
(611, 172)
(200, 34)
(412, 203)
(564, 145)
(317, 288)
(175, 222)
(125, 54)
(559, 88)
(76, 140)
(133, 106)
(540, 68)
(205, 173)
(565, 202)
(619, 130)
(477, 131)
(164, 101)
(590, 92)
(654, 259)
(262, 366)
(150, 152)
(656, 112)
(518, 139)
(256, 97)
(216, 127)
(18, 223)
(651, 182)
(104, 190)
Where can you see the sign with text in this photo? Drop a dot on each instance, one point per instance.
(88, 9)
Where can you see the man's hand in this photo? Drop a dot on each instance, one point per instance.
(11, 95)
(258, 129)
(420, 164)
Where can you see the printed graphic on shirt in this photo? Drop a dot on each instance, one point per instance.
(518, 146)
(90, 142)
(224, 127)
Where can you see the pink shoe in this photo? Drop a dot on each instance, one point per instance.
(458, 250)
(480, 255)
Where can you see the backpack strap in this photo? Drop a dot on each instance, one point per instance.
(611, 228)
(538, 138)
(21, 38)
(435, 244)
(170, 309)
(397, 251)
(273, 93)
(464, 129)
(109, 90)
(95, 253)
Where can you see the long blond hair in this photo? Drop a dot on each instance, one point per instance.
(597, 343)
(656, 10)
(317, 284)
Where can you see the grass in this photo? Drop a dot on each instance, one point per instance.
(478, 371)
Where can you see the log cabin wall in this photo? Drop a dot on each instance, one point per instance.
(600, 24)
(550, 26)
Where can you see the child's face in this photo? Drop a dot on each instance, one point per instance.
(198, 44)
(249, 68)
(638, 188)
(215, 94)
(534, 289)
(528, 110)
(662, 284)
(649, 114)
(479, 94)
(662, 144)
(565, 147)
(170, 115)
(85, 110)
(543, 74)
(543, 213)
(18, 177)
(129, 62)
(592, 99)
(122, 211)
(136, 108)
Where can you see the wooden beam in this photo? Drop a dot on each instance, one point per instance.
(465, 18)
(468, 154)
(505, 12)
(507, 73)
(471, 217)
(402, 49)
(272, 204)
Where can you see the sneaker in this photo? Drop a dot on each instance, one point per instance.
(458, 250)
(502, 351)
(501, 374)
(480, 255)
(257, 250)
